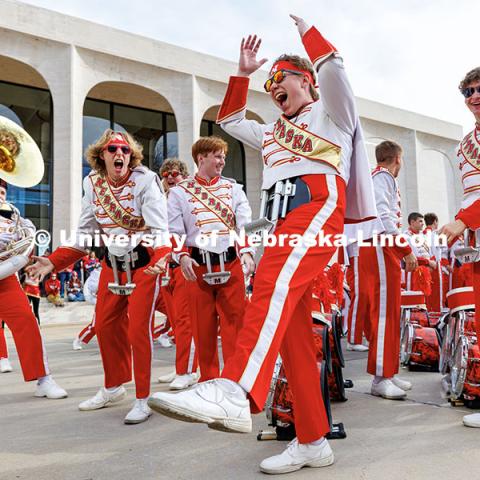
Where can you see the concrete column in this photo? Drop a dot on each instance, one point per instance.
(64, 82)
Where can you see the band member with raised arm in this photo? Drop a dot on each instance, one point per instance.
(468, 156)
(316, 145)
(124, 200)
(211, 206)
(380, 278)
(16, 312)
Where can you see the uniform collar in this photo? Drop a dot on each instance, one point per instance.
(120, 182)
(204, 181)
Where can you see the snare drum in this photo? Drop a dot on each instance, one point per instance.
(460, 299)
(420, 347)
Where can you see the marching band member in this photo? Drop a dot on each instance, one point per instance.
(421, 278)
(5, 365)
(318, 144)
(122, 199)
(211, 206)
(468, 156)
(16, 312)
(176, 296)
(380, 278)
(435, 300)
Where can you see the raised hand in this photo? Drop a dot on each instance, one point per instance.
(302, 26)
(248, 62)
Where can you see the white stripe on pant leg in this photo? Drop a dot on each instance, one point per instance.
(281, 289)
(91, 325)
(441, 285)
(191, 356)
(382, 310)
(355, 303)
(409, 281)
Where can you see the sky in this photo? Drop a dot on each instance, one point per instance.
(409, 54)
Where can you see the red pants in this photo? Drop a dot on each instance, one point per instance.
(3, 344)
(278, 317)
(435, 299)
(211, 305)
(380, 275)
(88, 332)
(476, 291)
(16, 312)
(356, 318)
(124, 328)
(176, 296)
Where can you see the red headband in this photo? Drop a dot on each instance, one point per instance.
(284, 65)
(117, 139)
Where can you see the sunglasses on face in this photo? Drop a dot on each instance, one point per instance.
(278, 77)
(469, 91)
(173, 173)
(113, 149)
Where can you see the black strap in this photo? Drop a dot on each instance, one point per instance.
(230, 256)
(142, 261)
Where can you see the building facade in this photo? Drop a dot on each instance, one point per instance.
(66, 80)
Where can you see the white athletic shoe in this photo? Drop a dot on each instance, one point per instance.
(164, 340)
(139, 413)
(167, 378)
(103, 398)
(181, 382)
(77, 344)
(207, 402)
(5, 365)
(403, 384)
(387, 389)
(49, 388)
(356, 347)
(297, 456)
(472, 420)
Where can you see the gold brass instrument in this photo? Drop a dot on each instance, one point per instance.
(21, 164)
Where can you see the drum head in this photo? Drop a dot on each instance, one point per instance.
(406, 343)
(445, 349)
(459, 367)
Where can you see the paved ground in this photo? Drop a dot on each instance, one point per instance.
(420, 438)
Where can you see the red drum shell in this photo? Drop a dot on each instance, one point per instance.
(425, 347)
(472, 379)
(460, 299)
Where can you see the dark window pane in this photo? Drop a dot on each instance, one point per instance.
(31, 109)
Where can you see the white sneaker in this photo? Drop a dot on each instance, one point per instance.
(472, 420)
(49, 388)
(164, 340)
(403, 384)
(167, 378)
(387, 389)
(356, 347)
(139, 413)
(77, 344)
(102, 399)
(297, 456)
(181, 382)
(5, 365)
(208, 402)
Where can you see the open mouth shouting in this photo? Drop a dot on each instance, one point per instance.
(281, 99)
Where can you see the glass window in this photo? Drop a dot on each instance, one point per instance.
(155, 131)
(235, 162)
(31, 108)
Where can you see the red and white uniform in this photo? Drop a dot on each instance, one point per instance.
(176, 296)
(421, 249)
(323, 144)
(435, 301)
(468, 156)
(197, 207)
(90, 290)
(380, 279)
(16, 312)
(135, 205)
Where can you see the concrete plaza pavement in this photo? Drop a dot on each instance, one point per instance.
(419, 438)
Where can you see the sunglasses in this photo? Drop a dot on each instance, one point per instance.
(278, 77)
(173, 173)
(113, 149)
(469, 91)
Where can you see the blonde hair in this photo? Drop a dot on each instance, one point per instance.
(174, 164)
(303, 64)
(93, 151)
